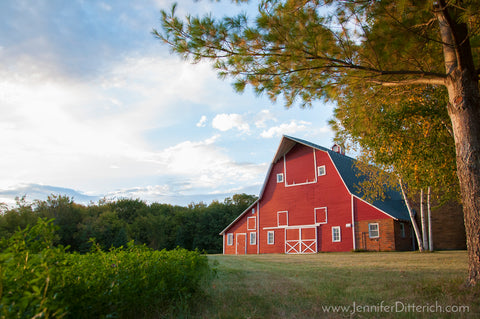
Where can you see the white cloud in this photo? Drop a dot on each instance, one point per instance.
(226, 122)
(286, 128)
(202, 122)
(202, 164)
(263, 117)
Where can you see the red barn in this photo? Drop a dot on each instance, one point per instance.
(310, 202)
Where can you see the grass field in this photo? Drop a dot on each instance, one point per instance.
(366, 285)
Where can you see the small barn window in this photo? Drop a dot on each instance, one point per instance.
(320, 215)
(271, 238)
(251, 223)
(282, 219)
(321, 170)
(373, 230)
(253, 211)
(253, 238)
(229, 239)
(336, 234)
(280, 178)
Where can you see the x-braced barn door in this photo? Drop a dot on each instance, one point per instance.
(301, 240)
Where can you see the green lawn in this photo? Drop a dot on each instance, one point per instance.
(379, 285)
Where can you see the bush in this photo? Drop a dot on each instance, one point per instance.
(132, 282)
(27, 267)
(39, 280)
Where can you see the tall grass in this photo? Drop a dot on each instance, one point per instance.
(304, 286)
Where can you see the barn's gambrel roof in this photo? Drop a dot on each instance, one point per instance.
(393, 205)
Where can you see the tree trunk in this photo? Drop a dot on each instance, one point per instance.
(412, 217)
(424, 222)
(429, 213)
(464, 111)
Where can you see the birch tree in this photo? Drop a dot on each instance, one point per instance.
(313, 49)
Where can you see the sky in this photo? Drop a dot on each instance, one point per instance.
(93, 106)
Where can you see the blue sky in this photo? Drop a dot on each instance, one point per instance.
(90, 101)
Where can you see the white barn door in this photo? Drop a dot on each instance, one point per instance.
(301, 240)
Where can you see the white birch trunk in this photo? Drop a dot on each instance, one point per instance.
(429, 213)
(424, 222)
(412, 218)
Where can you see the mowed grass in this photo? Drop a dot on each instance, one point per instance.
(301, 286)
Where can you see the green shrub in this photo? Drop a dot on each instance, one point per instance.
(27, 267)
(132, 282)
(42, 281)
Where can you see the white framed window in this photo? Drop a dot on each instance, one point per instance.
(373, 231)
(253, 211)
(282, 218)
(251, 223)
(402, 230)
(271, 238)
(336, 236)
(280, 178)
(320, 215)
(253, 238)
(229, 239)
(321, 170)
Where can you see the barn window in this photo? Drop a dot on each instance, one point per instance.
(336, 234)
(229, 239)
(251, 223)
(282, 218)
(253, 238)
(280, 178)
(321, 215)
(271, 238)
(373, 230)
(321, 170)
(402, 230)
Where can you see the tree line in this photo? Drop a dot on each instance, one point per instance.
(115, 223)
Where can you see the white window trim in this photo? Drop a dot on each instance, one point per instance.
(370, 231)
(253, 238)
(326, 215)
(270, 242)
(255, 227)
(321, 171)
(278, 219)
(336, 228)
(229, 239)
(280, 178)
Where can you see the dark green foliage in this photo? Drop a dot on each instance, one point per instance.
(114, 224)
(39, 280)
